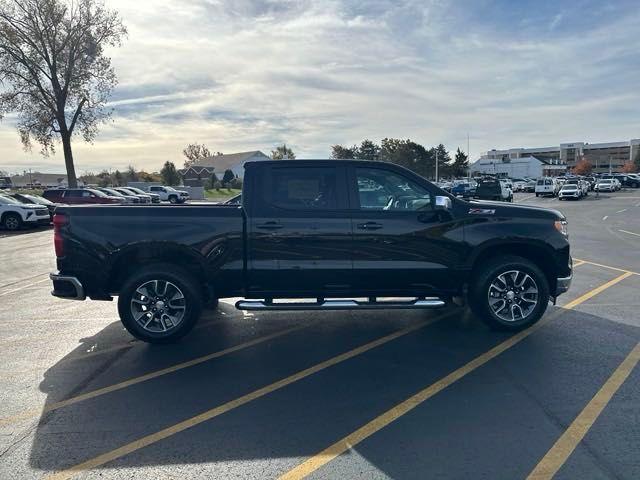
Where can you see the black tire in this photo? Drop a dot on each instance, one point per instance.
(12, 221)
(487, 272)
(537, 194)
(212, 304)
(173, 199)
(181, 279)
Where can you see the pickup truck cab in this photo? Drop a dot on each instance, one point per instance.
(334, 231)
(169, 194)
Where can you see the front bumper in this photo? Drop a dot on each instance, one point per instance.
(563, 283)
(67, 287)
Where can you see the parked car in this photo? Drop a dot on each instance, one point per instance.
(570, 191)
(547, 186)
(582, 185)
(492, 189)
(519, 186)
(35, 200)
(79, 196)
(289, 238)
(616, 183)
(634, 180)
(145, 197)
(237, 200)
(463, 189)
(170, 194)
(115, 193)
(14, 214)
(605, 185)
(530, 187)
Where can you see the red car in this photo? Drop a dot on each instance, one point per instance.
(80, 196)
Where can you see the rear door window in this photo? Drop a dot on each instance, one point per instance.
(302, 188)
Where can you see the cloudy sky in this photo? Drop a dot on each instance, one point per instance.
(242, 75)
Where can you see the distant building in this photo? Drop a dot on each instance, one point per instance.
(40, 180)
(521, 167)
(600, 155)
(200, 173)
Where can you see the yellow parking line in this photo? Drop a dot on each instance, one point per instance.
(378, 423)
(226, 407)
(608, 266)
(596, 291)
(143, 378)
(578, 263)
(572, 436)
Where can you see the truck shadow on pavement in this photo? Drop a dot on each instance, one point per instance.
(539, 386)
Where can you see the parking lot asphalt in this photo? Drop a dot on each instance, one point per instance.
(383, 394)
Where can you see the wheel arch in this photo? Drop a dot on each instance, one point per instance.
(134, 257)
(536, 252)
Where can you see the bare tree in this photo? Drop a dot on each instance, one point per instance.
(195, 152)
(53, 70)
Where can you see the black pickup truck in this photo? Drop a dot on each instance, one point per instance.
(327, 234)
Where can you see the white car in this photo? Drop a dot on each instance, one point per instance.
(570, 190)
(170, 194)
(605, 185)
(547, 186)
(14, 214)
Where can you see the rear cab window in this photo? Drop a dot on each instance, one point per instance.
(303, 188)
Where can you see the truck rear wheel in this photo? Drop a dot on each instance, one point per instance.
(509, 293)
(160, 304)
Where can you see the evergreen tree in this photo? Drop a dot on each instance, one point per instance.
(340, 152)
(169, 174)
(368, 150)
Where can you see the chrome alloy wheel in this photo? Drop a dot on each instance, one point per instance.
(12, 223)
(513, 295)
(158, 306)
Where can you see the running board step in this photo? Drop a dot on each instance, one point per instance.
(423, 303)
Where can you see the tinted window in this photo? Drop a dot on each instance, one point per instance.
(304, 188)
(384, 190)
(73, 193)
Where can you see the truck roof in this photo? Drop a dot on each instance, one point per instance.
(312, 161)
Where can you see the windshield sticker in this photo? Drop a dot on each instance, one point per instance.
(482, 211)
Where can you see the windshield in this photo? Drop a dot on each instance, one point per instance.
(170, 189)
(40, 200)
(111, 191)
(8, 200)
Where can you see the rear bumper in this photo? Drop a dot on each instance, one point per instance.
(67, 287)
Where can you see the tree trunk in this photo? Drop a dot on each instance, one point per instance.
(72, 181)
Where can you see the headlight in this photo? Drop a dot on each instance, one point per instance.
(561, 226)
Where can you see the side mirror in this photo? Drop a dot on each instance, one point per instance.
(443, 203)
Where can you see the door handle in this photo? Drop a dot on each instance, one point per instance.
(269, 226)
(369, 226)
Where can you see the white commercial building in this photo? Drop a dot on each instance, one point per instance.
(603, 156)
(520, 167)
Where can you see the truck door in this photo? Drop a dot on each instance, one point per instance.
(403, 245)
(299, 231)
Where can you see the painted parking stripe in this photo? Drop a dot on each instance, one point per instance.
(572, 436)
(238, 402)
(23, 279)
(630, 233)
(143, 378)
(607, 266)
(345, 444)
(24, 287)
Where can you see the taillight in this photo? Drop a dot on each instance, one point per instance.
(59, 220)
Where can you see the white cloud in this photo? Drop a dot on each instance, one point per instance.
(249, 74)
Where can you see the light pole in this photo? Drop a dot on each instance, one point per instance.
(436, 165)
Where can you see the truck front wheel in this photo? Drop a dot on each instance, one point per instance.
(509, 293)
(160, 303)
